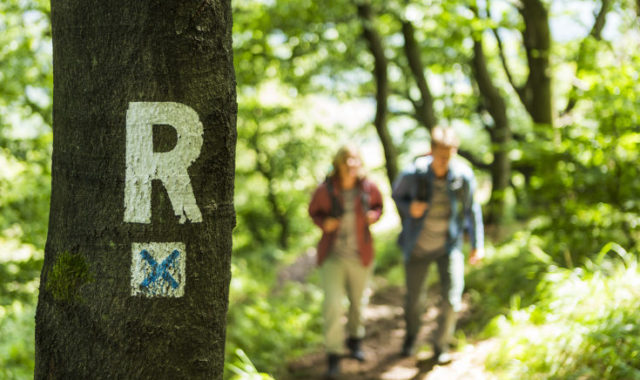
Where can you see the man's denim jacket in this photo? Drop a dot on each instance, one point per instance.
(416, 184)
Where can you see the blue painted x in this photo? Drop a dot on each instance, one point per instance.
(159, 270)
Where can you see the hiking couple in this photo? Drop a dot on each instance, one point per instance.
(435, 199)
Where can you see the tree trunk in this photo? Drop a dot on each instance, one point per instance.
(424, 107)
(500, 134)
(374, 41)
(537, 42)
(137, 262)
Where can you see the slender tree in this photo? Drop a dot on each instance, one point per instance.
(264, 167)
(424, 106)
(536, 93)
(137, 261)
(376, 47)
(537, 42)
(499, 132)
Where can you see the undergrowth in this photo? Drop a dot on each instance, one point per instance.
(268, 325)
(583, 324)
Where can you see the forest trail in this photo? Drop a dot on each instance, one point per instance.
(382, 344)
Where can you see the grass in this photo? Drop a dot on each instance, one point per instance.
(583, 326)
(265, 328)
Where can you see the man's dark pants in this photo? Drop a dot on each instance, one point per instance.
(451, 271)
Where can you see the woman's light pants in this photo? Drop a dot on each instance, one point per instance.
(340, 277)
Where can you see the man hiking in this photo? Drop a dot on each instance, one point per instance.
(435, 198)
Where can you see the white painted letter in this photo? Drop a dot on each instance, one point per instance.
(145, 165)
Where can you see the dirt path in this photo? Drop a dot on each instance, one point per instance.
(382, 344)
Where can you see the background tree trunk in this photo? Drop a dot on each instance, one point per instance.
(265, 169)
(374, 42)
(424, 107)
(499, 132)
(537, 42)
(89, 323)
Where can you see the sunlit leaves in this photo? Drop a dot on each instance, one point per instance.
(270, 327)
(25, 60)
(584, 326)
(280, 158)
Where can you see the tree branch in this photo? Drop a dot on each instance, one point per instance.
(473, 160)
(404, 113)
(45, 113)
(596, 34)
(520, 91)
(503, 59)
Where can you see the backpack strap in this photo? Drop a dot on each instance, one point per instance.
(423, 192)
(336, 205)
(364, 199)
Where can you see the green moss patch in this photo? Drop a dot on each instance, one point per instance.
(68, 274)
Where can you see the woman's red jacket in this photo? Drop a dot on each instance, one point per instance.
(320, 209)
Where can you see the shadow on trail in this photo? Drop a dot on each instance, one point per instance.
(424, 366)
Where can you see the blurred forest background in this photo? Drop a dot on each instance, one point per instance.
(544, 93)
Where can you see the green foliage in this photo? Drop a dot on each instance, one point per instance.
(25, 177)
(17, 339)
(68, 274)
(270, 325)
(388, 261)
(276, 171)
(576, 186)
(301, 43)
(19, 278)
(25, 183)
(587, 183)
(25, 116)
(509, 276)
(243, 368)
(585, 175)
(583, 327)
(25, 63)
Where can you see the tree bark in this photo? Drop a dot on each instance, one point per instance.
(423, 107)
(105, 310)
(374, 41)
(537, 42)
(500, 134)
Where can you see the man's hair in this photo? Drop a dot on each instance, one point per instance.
(445, 137)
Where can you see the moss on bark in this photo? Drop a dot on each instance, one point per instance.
(67, 276)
